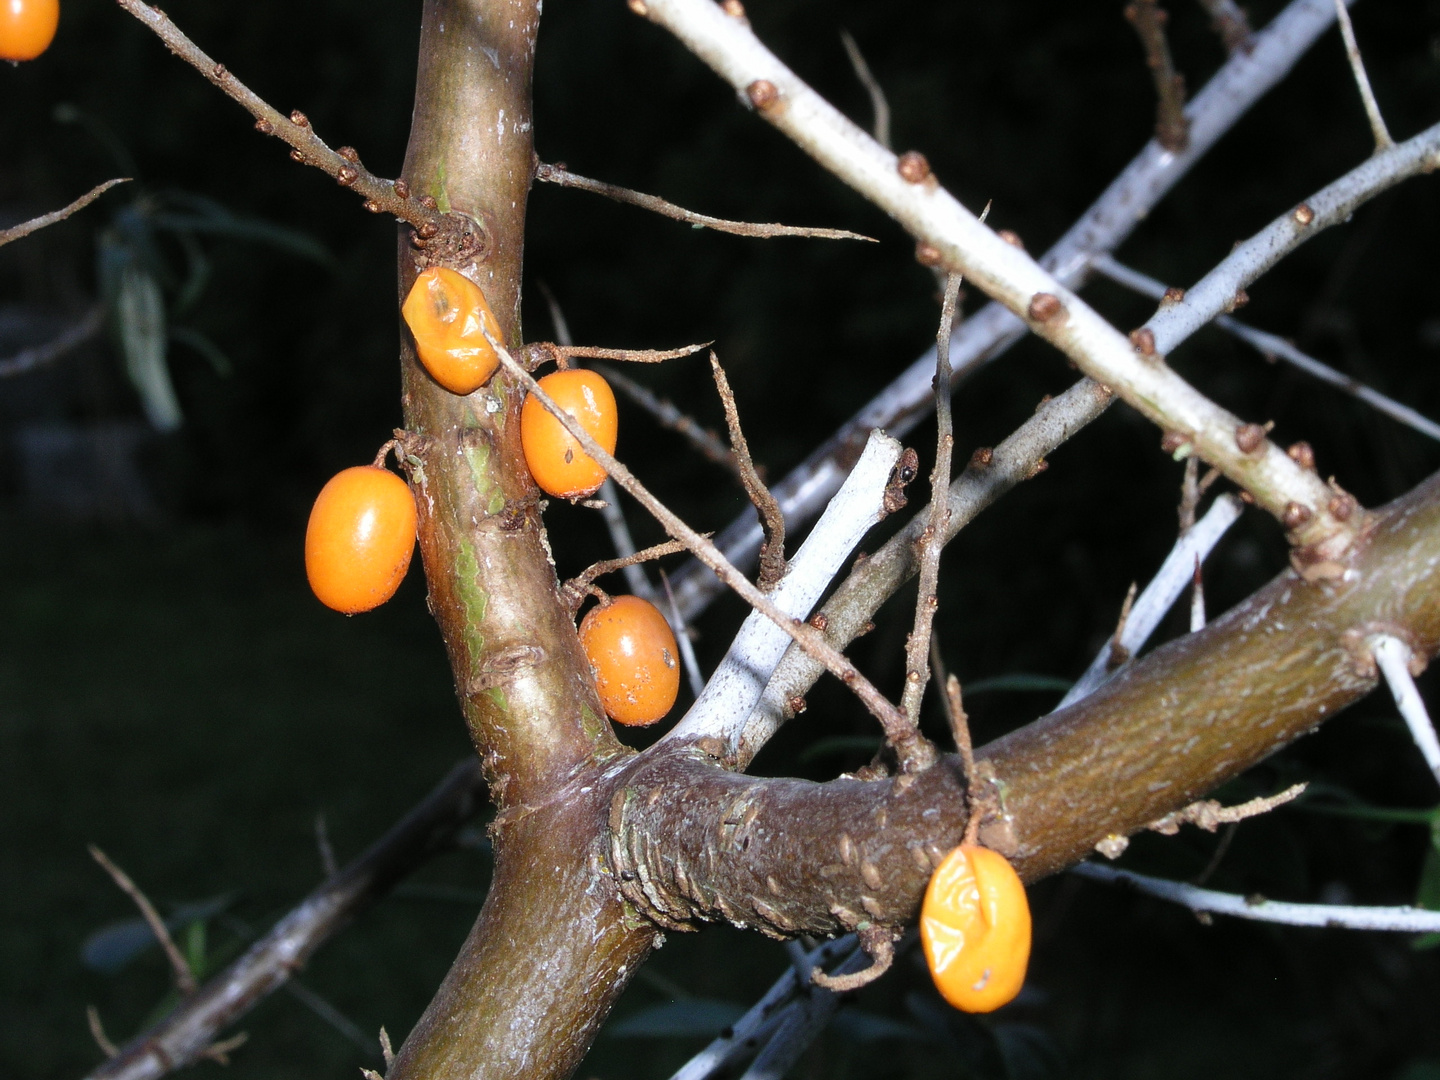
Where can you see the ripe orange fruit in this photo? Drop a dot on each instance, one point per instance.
(633, 656)
(556, 461)
(27, 27)
(360, 538)
(446, 312)
(975, 927)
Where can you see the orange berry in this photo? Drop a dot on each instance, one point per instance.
(975, 926)
(556, 461)
(27, 27)
(634, 660)
(447, 314)
(360, 538)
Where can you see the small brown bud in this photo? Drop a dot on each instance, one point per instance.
(982, 457)
(1044, 400)
(1143, 340)
(1343, 506)
(373, 206)
(299, 119)
(1303, 214)
(1249, 438)
(350, 154)
(415, 240)
(1239, 300)
(1295, 515)
(264, 127)
(1011, 238)
(860, 559)
(913, 167)
(1247, 498)
(1173, 295)
(762, 94)
(219, 72)
(1302, 454)
(1045, 306)
(346, 176)
(797, 703)
(1172, 441)
(428, 230)
(428, 202)
(638, 7)
(296, 155)
(866, 629)
(402, 189)
(927, 254)
(734, 8)
(820, 621)
(1036, 469)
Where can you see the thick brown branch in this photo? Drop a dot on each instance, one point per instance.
(183, 1037)
(25, 228)
(558, 174)
(790, 856)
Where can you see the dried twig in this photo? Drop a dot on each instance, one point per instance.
(1232, 24)
(574, 591)
(1209, 815)
(538, 352)
(1274, 347)
(1397, 663)
(989, 332)
(879, 106)
(1117, 653)
(381, 196)
(1399, 919)
(188, 1033)
(25, 228)
(879, 946)
(558, 174)
(932, 539)
(1172, 128)
(184, 977)
(672, 418)
(914, 749)
(40, 355)
(1383, 141)
(772, 520)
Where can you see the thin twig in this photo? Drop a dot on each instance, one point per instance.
(1232, 24)
(537, 352)
(332, 1016)
(40, 355)
(391, 197)
(25, 228)
(1274, 347)
(186, 1035)
(1209, 815)
(879, 106)
(914, 750)
(932, 540)
(327, 852)
(1394, 659)
(97, 1032)
(672, 418)
(558, 174)
(682, 640)
(1403, 919)
(1383, 141)
(574, 591)
(1172, 129)
(184, 977)
(988, 333)
(1117, 654)
(772, 520)
(1175, 573)
(1197, 598)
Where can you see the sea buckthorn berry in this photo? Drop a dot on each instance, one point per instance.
(634, 660)
(360, 538)
(448, 314)
(27, 27)
(555, 458)
(975, 926)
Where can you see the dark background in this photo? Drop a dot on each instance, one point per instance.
(170, 690)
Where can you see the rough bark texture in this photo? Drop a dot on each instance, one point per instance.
(788, 856)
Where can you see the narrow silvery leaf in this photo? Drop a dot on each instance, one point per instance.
(140, 314)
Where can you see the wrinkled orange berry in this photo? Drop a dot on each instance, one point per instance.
(556, 461)
(447, 314)
(634, 660)
(360, 538)
(27, 27)
(975, 927)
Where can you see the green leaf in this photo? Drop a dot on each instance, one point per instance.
(112, 947)
(702, 1017)
(195, 949)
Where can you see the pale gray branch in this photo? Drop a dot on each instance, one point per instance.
(1383, 141)
(1394, 659)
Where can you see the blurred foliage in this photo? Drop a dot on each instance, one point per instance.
(175, 695)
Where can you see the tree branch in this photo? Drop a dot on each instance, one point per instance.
(25, 228)
(40, 355)
(988, 333)
(1383, 141)
(1172, 130)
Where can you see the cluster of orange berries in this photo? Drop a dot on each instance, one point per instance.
(27, 27)
(362, 528)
